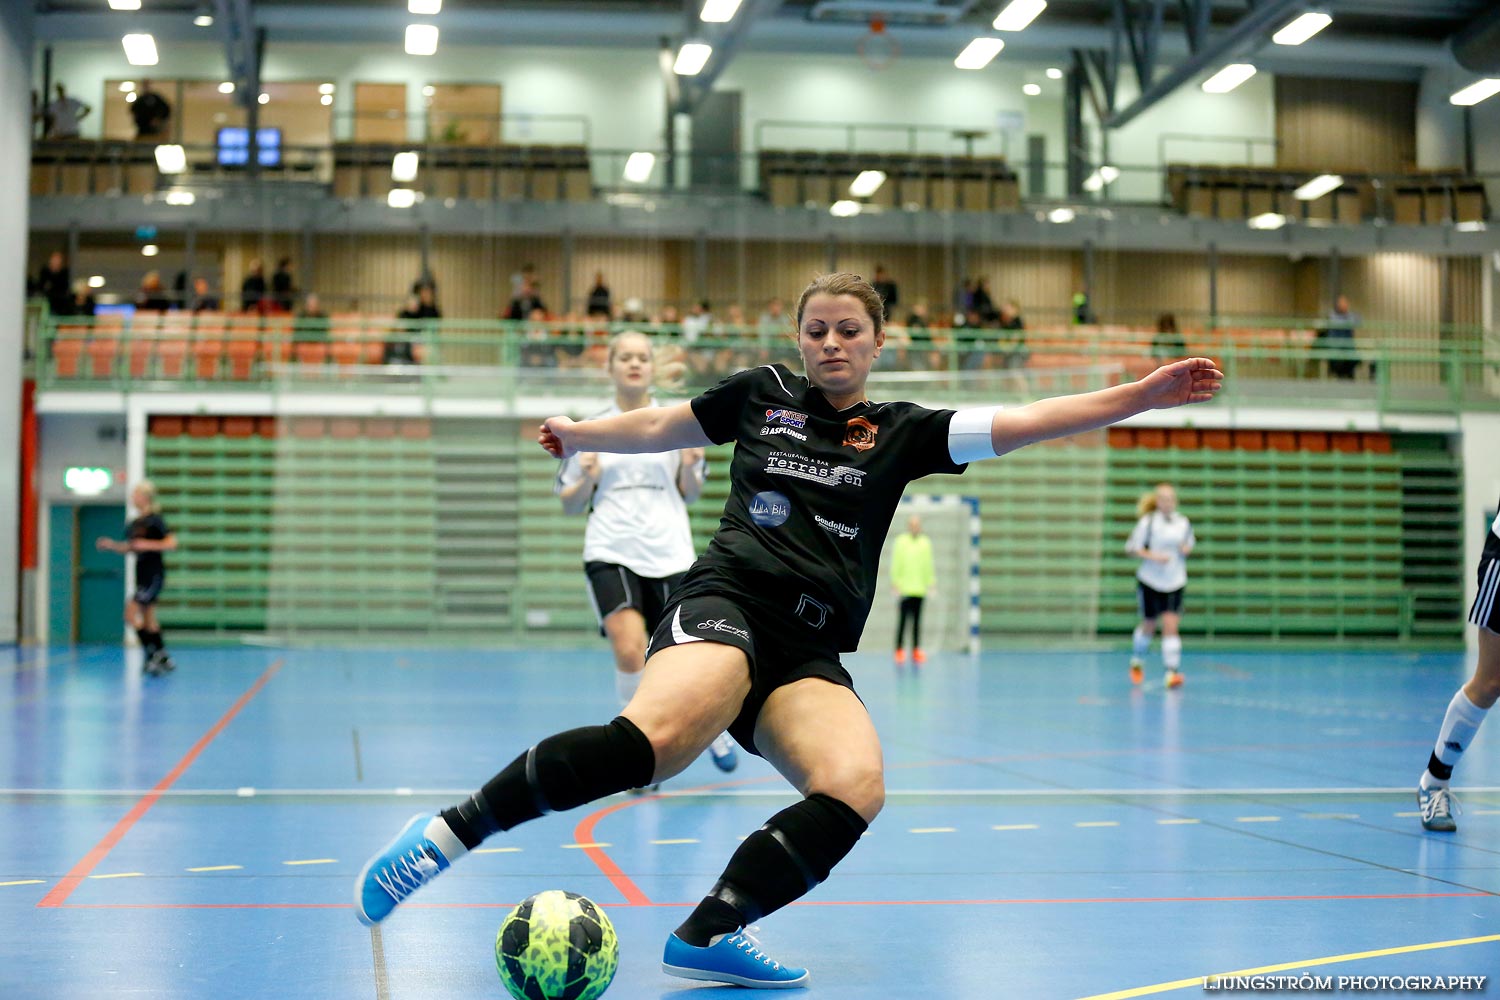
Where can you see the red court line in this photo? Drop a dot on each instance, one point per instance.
(805, 902)
(584, 834)
(63, 889)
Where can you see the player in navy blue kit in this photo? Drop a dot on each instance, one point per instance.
(753, 636)
(147, 537)
(1472, 702)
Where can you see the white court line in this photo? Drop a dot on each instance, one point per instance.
(1018, 793)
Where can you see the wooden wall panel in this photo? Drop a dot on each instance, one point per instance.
(1351, 126)
(1466, 293)
(1042, 281)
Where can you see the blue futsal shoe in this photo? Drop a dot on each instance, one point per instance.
(407, 863)
(735, 958)
(722, 751)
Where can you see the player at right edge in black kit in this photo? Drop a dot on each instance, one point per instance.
(147, 537)
(750, 641)
(1472, 702)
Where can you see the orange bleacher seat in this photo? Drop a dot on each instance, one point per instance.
(345, 427)
(242, 354)
(206, 356)
(1151, 437)
(1347, 441)
(311, 354)
(267, 427)
(239, 427)
(1377, 442)
(1312, 440)
(1217, 440)
(1250, 440)
(166, 426)
(201, 427)
(1183, 437)
(102, 352)
(380, 428)
(1281, 440)
(310, 427)
(275, 339)
(66, 356)
(171, 357)
(1122, 437)
(416, 430)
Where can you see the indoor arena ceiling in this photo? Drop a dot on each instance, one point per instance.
(1373, 38)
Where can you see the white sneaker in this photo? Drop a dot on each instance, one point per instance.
(1438, 806)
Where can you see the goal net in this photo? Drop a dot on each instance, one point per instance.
(950, 613)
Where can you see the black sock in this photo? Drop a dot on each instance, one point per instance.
(776, 864)
(150, 641)
(1440, 771)
(559, 773)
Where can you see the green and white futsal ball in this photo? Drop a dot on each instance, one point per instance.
(557, 946)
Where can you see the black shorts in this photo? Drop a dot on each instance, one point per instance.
(777, 657)
(1486, 610)
(148, 589)
(612, 587)
(1153, 602)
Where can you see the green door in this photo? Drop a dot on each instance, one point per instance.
(100, 576)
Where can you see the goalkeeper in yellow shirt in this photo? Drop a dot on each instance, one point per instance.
(913, 576)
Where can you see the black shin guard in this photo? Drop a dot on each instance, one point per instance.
(776, 864)
(560, 772)
(150, 641)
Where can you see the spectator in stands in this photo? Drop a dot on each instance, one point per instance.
(151, 113)
(698, 321)
(671, 320)
(312, 322)
(419, 307)
(64, 114)
(969, 339)
(283, 286)
(204, 300)
(1083, 312)
(981, 302)
(253, 288)
(538, 352)
(886, 288)
(599, 299)
(519, 280)
(1168, 344)
(54, 282)
(425, 280)
(81, 301)
(1336, 339)
(153, 295)
(526, 301)
(1012, 340)
(919, 337)
(773, 322)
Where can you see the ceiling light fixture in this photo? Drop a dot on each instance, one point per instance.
(424, 8)
(404, 167)
(978, 53)
(638, 167)
(401, 198)
(1267, 220)
(1302, 28)
(1018, 14)
(691, 58)
(1228, 78)
(1318, 187)
(1031, 89)
(421, 39)
(1475, 92)
(718, 11)
(171, 159)
(203, 21)
(844, 208)
(867, 183)
(140, 49)
(1061, 215)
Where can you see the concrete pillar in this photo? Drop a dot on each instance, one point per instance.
(16, 43)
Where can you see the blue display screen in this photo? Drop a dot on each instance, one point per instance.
(234, 146)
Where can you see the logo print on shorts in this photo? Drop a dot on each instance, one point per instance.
(770, 509)
(859, 434)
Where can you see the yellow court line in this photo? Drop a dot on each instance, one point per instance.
(314, 861)
(218, 868)
(1177, 822)
(495, 850)
(580, 847)
(1197, 981)
(24, 881)
(120, 875)
(1098, 822)
(680, 840)
(1015, 826)
(933, 829)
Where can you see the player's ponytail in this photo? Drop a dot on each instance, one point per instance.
(1146, 504)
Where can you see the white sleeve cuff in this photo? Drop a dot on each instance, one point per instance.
(970, 437)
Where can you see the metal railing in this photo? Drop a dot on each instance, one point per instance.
(1266, 366)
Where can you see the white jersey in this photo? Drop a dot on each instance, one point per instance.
(639, 519)
(1162, 533)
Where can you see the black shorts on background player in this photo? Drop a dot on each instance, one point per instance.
(1153, 602)
(150, 567)
(613, 587)
(1485, 611)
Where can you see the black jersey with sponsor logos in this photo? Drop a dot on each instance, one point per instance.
(812, 494)
(153, 528)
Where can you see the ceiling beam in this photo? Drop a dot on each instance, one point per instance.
(1245, 35)
(726, 42)
(242, 48)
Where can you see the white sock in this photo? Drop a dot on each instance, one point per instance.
(438, 832)
(1460, 724)
(626, 685)
(1171, 651)
(1140, 643)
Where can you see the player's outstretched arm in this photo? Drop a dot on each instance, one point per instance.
(1192, 380)
(644, 431)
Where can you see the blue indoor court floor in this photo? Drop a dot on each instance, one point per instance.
(1050, 832)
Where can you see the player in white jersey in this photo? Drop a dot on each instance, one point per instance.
(638, 542)
(1471, 702)
(1163, 539)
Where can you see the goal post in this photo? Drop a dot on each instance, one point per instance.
(950, 614)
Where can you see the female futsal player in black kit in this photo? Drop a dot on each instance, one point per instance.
(751, 639)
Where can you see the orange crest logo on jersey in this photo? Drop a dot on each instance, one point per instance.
(859, 434)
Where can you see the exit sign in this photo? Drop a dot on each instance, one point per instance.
(87, 481)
